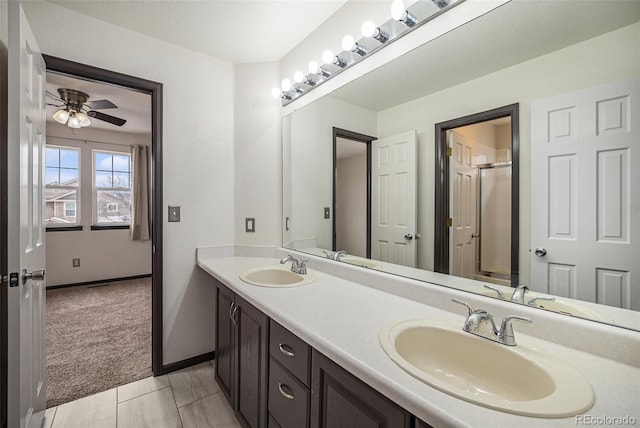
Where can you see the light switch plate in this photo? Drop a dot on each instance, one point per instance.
(250, 224)
(174, 213)
(327, 212)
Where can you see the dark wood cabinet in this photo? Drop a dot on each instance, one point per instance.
(273, 379)
(242, 353)
(340, 400)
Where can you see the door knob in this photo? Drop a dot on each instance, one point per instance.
(408, 237)
(36, 275)
(540, 252)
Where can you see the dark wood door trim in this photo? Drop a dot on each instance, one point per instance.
(59, 65)
(441, 238)
(366, 139)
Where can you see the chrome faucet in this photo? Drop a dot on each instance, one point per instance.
(335, 256)
(480, 323)
(518, 295)
(297, 265)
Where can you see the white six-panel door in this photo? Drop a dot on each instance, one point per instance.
(26, 304)
(463, 206)
(393, 199)
(585, 195)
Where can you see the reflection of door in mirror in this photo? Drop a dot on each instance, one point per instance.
(394, 199)
(480, 166)
(585, 225)
(352, 192)
(476, 220)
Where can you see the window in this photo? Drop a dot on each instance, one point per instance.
(70, 209)
(62, 186)
(112, 188)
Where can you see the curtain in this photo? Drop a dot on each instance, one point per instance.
(140, 202)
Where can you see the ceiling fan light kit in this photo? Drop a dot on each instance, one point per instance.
(76, 109)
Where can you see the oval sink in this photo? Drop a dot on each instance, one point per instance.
(511, 379)
(358, 261)
(276, 276)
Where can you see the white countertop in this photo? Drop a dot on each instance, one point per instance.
(342, 319)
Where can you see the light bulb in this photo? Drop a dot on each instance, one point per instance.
(83, 119)
(73, 122)
(328, 57)
(314, 67)
(398, 11)
(286, 84)
(298, 76)
(368, 29)
(348, 42)
(61, 116)
(275, 93)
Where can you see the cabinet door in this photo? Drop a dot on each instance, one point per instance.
(225, 357)
(253, 351)
(340, 400)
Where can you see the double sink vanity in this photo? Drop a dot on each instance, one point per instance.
(336, 345)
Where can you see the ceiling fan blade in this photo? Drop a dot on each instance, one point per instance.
(54, 96)
(100, 104)
(106, 117)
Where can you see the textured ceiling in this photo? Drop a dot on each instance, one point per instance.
(236, 31)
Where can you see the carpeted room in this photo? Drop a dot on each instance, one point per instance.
(98, 315)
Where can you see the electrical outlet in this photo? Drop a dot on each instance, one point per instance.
(250, 224)
(76, 262)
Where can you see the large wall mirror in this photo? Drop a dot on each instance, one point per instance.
(517, 131)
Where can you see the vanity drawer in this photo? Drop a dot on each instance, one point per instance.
(288, 398)
(292, 352)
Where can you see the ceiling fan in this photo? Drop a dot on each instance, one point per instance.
(77, 109)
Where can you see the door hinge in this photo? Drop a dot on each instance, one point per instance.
(449, 151)
(449, 222)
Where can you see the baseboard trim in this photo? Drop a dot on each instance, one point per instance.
(100, 281)
(179, 365)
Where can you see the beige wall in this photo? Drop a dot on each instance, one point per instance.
(351, 205)
(582, 65)
(103, 254)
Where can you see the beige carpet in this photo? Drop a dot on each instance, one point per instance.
(97, 338)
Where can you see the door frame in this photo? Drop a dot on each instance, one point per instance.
(88, 72)
(362, 138)
(4, 261)
(442, 183)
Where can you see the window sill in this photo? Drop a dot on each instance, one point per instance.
(114, 227)
(64, 228)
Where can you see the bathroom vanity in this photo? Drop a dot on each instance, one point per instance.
(310, 355)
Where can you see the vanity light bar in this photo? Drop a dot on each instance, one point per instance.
(334, 64)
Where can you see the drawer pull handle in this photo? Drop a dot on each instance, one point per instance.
(286, 350)
(284, 393)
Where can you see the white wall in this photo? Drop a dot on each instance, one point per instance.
(103, 254)
(257, 155)
(311, 133)
(582, 65)
(198, 156)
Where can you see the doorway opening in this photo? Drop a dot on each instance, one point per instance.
(113, 208)
(477, 196)
(351, 192)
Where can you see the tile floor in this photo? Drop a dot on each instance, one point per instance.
(188, 398)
